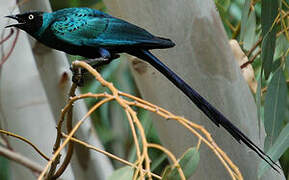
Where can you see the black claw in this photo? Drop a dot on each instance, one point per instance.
(78, 80)
(77, 76)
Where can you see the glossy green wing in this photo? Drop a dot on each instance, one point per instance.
(82, 28)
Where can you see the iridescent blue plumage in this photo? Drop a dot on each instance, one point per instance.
(86, 28)
(94, 34)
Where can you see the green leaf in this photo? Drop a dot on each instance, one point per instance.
(158, 161)
(287, 63)
(124, 173)
(224, 4)
(245, 14)
(258, 101)
(275, 106)
(276, 65)
(269, 12)
(267, 53)
(188, 162)
(166, 172)
(283, 5)
(275, 152)
(250, 31)
(281, 46)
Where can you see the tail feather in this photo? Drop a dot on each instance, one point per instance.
(157, 43)
(211, 112)
(167, 43)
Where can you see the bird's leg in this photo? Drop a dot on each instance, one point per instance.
(99, 63)
(104, 59)
(78, 72)
(77, 75)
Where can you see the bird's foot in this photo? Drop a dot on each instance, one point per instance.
(78, 72)
(77, 76)
(98, 62)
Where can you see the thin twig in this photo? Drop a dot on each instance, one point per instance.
(284, 26)
(4, 59)
(26, 141)
(138, 153)
(285, 29)
(71, 134)
(285, 3)
(144, 141)
(236, 31)
(7, 37)
(171, 156)
(115, 93)
(282, 31)
(59, 130)
(251, 60)
(279, 19)
(210, 143)
(108, 154)
(248, 54)
(222, 156)
(70, 144)
(143, 158)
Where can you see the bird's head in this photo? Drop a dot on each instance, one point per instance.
(30, 22)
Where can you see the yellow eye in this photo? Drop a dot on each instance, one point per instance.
(30, 17)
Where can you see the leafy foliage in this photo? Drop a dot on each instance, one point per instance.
(279, 147)
(264, 26)
(275, 106)
(189, 162)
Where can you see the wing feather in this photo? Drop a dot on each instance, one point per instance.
(94, 28)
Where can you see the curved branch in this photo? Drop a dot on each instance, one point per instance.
(25, 140)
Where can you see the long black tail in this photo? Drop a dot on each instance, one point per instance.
(216, 116)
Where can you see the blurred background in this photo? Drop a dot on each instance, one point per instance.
(110, 121)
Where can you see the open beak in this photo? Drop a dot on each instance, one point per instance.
(16, 17)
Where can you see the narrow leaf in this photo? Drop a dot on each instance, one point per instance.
(276, 65)
(158, 161)
(276, 151)
(274, 108)
(258, 102)
(225, 4)
(287, 63)
(282, 46)
(267, 53)
(245, 14)
(166, 172)
(269, 11)
(188, 163)
(250, 35)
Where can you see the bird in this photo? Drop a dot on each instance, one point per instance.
(97, 35)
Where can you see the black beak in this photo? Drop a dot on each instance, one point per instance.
(16, 18)
(12, 17)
